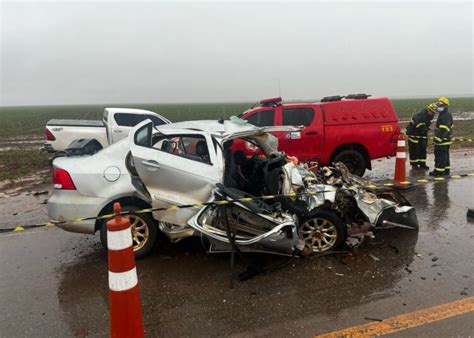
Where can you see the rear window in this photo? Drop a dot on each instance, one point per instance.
(297, 116)
(156, 120)
(262, 118)
(128, 120)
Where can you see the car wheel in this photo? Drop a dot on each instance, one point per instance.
(354, 161)
(144, 232)
(322, 231)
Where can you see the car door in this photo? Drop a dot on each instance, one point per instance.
(261, 118)
(121, 124)
(306, 145)
(177, 168)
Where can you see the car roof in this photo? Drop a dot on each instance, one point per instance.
(221, 129)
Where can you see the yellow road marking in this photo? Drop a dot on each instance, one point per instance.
(407, 320)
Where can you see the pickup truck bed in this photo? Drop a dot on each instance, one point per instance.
(114, 126)
(75, 123)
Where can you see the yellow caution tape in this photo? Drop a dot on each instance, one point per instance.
(223, 202)
(458, 139)
(226, 202)
(143, 211)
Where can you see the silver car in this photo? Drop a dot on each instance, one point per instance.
(88, 186)
(193, 162)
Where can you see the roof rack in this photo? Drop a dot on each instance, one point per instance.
(339, 97)
(332, 98)
(276, 101)
(357, 96)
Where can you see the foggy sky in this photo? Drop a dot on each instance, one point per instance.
(79, 53)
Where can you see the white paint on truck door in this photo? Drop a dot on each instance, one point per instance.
(120, 125)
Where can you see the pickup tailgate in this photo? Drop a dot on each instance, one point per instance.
(60, 133)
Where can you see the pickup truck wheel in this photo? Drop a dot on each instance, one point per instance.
(144, 232)
(354, 161)
(322, 231)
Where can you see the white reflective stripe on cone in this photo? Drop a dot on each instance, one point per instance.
(401, 155)
(119, 240)
(401, 143)
(122, 281)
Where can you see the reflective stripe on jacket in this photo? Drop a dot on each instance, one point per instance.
(419, 124)
(444, 129)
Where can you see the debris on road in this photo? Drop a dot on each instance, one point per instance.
(375, 258)
(373, 319)
(470, 214)
(37, 193)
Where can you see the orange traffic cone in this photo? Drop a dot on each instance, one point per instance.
(124, 297)
(400, 177)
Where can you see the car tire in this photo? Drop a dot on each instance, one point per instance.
(322, 231)
(148, 232)
(354, 161)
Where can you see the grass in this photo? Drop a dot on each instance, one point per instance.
(29, 121)
(21, 162)
(407, 107)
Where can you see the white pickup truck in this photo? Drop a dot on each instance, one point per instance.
(115, 125)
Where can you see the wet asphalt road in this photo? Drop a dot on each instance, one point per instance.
(53, 283)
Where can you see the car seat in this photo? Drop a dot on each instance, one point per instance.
(202, 151)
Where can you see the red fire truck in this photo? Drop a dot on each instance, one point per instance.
(353, 129)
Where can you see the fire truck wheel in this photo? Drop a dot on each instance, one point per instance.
(354, 161)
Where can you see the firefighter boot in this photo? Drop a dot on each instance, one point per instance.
(436, 173)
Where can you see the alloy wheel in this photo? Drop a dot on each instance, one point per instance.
(319, 233)
(140, 232)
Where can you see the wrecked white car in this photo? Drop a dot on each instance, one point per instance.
(203, 184)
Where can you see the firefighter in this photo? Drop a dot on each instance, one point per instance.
(417, 134)
(442, 139)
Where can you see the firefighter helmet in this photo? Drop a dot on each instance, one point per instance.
(433, 107)
(444, 101)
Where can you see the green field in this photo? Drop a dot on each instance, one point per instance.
(30, 120)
